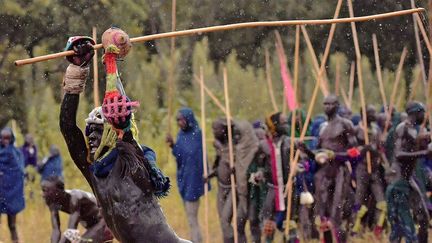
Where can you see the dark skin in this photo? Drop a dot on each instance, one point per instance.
(411, 144)
(126, 198)
(374, 136)
(182, 124)
(80, 205)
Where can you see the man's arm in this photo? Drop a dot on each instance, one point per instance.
(72, 134)
(55, 223)
(402, 155)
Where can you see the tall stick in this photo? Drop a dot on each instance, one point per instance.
(200, 31)
(204, 154)
(269, 80)
(344, 97)
(95, 73)
(418, 45)
(378, 72)
(394, 91)
(337, 78)
(414, 87)
(231, 154)
(351, 84)
(293, 121)
(361, 90)
(171, 71)
(212, 96)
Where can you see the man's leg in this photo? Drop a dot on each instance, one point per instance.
(360, 208)
(420, 212)
(254, 222)
(192, 215)
(12, 227)
(337, 206)
(225, 214)
(242, 216)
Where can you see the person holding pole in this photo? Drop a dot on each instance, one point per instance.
(373, 181)
(188, 153)
(412, 142)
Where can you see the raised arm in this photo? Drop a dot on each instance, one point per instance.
(72, 134)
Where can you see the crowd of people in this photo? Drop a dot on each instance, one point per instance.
(343, 184)
(337, 192)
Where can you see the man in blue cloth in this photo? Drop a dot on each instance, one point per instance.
(188, 153)
(11, 180)
(51, 165)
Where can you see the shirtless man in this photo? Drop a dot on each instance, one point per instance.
(337, 137)
(112, 162)
(81, 206)
(364, 180)
(411, 144)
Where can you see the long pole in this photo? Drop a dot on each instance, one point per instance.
(361, 90)
(293, 127)
(204, 154)
(211, 95)
(95, 73)
(200, 31)
(378, 72)
(394, 91)
(269, 80)
(351, 84)
(171, 72)
(337, 78)
(418, 45)
(231, 154)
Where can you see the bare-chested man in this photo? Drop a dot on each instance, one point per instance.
(366, 181)
(411, 144)
(337, 137)
(80, 205)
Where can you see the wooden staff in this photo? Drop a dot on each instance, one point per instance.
(414, 87)
(315, 64)
(204, 154)
(200, 31)
(171, 71)
(326, 50)
(378, 72)
(361, 90)
(231, 155)
(351, 84)
(344, 97)
(95, 73)
(418, 45)
(269, 80)
(337, 78)
(394, 91)
(212, 96)
(293, 121)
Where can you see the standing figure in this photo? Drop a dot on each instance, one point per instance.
(365, 181)
(188, 153)
(30, 152)
(337, 139)
(278, 146)
(51, 165)
(82, 208)
(109, 156)
(403, 195)
(11, 180)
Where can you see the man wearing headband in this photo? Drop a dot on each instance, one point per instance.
(120, 172)
(412, 142)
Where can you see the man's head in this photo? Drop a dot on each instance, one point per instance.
(277, 124)
(181, 121)
(371, 114)
(331, 105)
(186, 119)
(415, 111)
(52, 189)
(6, 137)
(220, 129)
(345, 112)
(94, 130)
(29, 139)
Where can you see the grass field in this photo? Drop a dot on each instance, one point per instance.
(34, 223)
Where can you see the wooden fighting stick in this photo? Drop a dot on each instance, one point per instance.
(269, 80)
(361, 90)
(200, 31)
(378, 72)
(96, 100)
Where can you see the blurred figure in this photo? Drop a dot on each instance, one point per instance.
(11, 180)
(51, 165)
(29, 151)
(188, 153)
(80, 205)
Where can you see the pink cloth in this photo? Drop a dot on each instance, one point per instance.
(289, 93)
